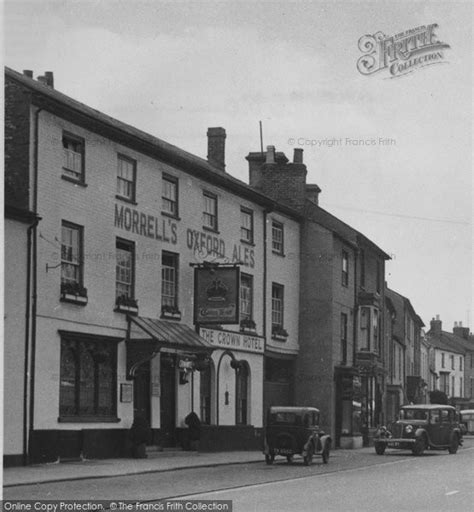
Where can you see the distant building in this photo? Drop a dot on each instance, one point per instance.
(454, 361)
(406, 383)
(340, 365)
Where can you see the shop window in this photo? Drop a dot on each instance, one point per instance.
(246, 225)
(343, 338)
(73, 157)
(345, 268)
(126, 178)
(124, 269)
(277, 237)
(210, 211)
(169, 281)
(71, 256)
(88, 381)
(205, 394)
(169, 197)
(246, 297)
(241, 392)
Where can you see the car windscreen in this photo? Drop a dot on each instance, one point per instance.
(413, 414)
(285, 418)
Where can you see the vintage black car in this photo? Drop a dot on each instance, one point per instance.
(293, 431)
(421, 427)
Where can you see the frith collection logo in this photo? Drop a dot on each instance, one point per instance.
(401, 54)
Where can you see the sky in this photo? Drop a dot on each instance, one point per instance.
(173, 69)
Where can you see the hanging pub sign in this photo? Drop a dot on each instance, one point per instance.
(216, 295)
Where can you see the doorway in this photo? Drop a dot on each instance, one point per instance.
(141, 393)
(168, 401)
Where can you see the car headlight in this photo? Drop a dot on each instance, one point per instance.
(408, 429)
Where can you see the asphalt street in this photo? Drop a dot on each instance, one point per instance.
(356, 480)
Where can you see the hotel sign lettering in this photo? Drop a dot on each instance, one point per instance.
(233, 340)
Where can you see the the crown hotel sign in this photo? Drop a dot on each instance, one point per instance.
(216, 295)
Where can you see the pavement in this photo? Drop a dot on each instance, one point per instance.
(103, 468)
(156, 461)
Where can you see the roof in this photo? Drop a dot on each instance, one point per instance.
(66, 107)
(341, 229)
(398, 299)
(172, 334)
(450, 342)
(427, 407)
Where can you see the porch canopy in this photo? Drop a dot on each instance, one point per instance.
(160, 334)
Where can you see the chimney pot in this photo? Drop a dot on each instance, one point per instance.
(298, 155)
(42, 79)
(216, 147)
(270, 155)
(28, 73)
(437, 317)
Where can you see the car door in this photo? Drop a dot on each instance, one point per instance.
(446, 417)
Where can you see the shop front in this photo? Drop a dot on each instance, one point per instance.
(348, 407)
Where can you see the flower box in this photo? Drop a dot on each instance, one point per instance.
(248, 326)
(279, 334)
(74, 293)
(171, 313)
(125, 304)
(74, 299)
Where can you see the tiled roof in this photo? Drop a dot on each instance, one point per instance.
(450, 342)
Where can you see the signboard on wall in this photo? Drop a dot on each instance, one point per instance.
(233, 340)
(216, 295)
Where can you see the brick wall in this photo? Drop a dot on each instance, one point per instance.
(17, 144)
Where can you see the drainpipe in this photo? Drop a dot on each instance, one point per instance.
(264, 313)
(34, 276)
(27, 340)
(356, 311)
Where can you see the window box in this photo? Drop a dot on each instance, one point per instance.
(170, 312)
(125, 304)
(74, 293)
(248, 325)
(278, 333)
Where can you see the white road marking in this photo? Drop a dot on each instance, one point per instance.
(451, 493)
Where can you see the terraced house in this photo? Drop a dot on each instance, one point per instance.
(122, 231)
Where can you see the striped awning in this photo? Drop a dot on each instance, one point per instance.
(172, 334)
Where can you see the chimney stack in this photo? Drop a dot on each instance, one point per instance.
(49, 79)
(312, 193)
(270, 155)
(459, 330)
(298, 156)
(216, 147)
(28, 73)
(436, 326)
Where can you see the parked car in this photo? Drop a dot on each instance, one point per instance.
(421, 427)
(293, 431)
(467, 420)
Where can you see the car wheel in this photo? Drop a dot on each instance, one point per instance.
(269, 458)
(289, 459)
(308, 458)
(325, 453)
(453, 445)
(380, 448)
(419, 446)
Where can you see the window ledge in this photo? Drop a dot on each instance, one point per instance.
(88, 419)
(247, 242)
(170, 216)
(126, 200)
(279, 337)
(278, 253)
(74, 299)
(171, 316)
(212, 230)
(72, 180)
(130, 310)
